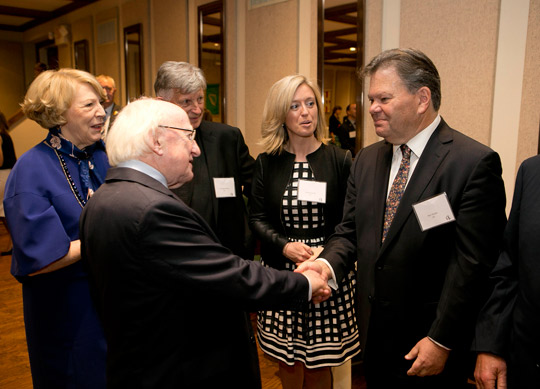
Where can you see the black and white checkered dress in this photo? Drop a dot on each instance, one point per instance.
(326, 334)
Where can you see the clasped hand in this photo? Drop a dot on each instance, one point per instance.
(321, 292)
(297, 252)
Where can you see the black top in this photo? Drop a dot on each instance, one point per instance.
(8, 151)
(272, 174)
(224, 154)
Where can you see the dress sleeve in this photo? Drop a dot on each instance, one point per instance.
(37, 233)
(259, 220)
(42, 222)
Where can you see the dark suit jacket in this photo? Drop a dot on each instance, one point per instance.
(114, 113)
(272, 174)
(509, 324)
(416, 283)
(171, 298)
(223, 154)
(342, 132)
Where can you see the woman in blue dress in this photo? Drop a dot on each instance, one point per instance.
(45, 193)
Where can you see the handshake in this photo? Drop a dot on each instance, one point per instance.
(318, 273)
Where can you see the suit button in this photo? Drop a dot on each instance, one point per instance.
(370, 298)
(379, 267)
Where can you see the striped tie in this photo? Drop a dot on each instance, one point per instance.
(398, 187)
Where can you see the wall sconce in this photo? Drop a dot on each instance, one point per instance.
(61, 35)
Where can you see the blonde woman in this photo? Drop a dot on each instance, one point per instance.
(298, 192)
(44, 197)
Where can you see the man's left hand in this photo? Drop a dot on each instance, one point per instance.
(429, 357)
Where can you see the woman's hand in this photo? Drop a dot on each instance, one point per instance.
(297, 252)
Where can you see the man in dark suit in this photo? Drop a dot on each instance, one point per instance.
(347, 131)
(424, 223)
(170, 296)
(508, 328)
(224, 169)
(110, 107)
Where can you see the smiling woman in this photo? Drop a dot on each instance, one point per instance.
(44, 196)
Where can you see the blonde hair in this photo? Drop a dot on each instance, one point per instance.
(277, 106)
(51, 94)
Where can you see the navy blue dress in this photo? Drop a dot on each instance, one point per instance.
(65, 340)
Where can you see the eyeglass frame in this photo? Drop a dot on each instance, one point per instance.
(192, 132)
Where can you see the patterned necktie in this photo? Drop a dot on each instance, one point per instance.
(398, 187)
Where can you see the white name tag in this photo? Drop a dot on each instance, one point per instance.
(224, 187)
(314, 191)
(434, 212)
(352, 134)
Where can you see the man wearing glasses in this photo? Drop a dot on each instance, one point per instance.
(224, 169)
(171, 298)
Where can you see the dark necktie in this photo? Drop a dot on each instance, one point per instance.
(398, 187)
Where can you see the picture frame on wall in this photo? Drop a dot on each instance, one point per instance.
(82, 60)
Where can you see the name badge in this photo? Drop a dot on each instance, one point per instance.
(314, 191)
(224, 187)
(352, 134)
(434, 212)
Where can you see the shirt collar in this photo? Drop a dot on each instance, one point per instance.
(108, 110)
(144, 168)
(418, 143)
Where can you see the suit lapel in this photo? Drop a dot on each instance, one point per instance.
(211, 147)
(433, 155)
(382, 174)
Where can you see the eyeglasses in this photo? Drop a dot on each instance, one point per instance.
(191, 135)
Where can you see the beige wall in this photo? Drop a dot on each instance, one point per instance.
(373, 46)
(271, 54)
(169, 32)
(107, 56)
(477, 47)
(460, 37)
(530, 100)
(11, 78)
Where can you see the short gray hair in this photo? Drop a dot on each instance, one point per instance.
(413, 67)
(181, 77)
(106, 78)
(134, 127)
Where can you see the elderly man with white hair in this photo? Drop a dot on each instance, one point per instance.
(170, 296)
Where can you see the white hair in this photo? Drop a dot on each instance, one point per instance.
(134, 128)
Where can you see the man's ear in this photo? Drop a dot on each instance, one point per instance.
(424, 99)
(156, 143)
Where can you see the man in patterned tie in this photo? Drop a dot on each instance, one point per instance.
(423, 219)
